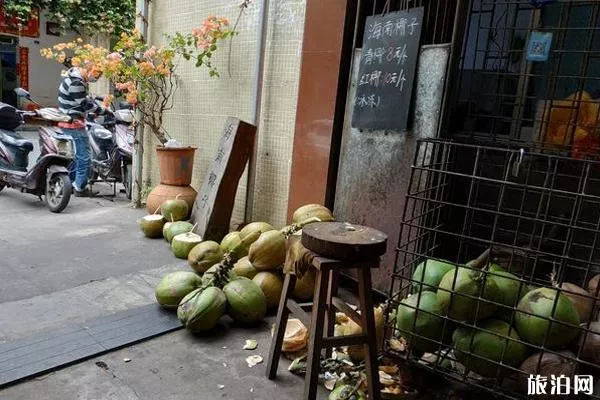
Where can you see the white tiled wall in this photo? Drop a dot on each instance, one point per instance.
(203, 103)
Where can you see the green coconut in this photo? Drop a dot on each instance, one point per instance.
(175, 210)
(511, 289)
(202, 309)
(260, 227)
(165, 229)
(177, 228)
(246, 302)
(230, 241)
(152, 226)
(268, 252)
(204, 256)
(469, 282)
(534, 328)
(430, 272)
(182, 244)
(427, 326)
(346, 392)
(245, 268)
(175, 286)
(207, 278)
(271, 285)
(497, 346)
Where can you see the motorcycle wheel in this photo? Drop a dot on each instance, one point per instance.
(127, 180)
(58, 192)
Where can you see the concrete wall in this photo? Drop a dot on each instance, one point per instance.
(44, 74)
(203, 103)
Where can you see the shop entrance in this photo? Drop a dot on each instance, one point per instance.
(8, 69)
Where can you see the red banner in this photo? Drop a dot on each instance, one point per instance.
(24, 67)
(30, 29)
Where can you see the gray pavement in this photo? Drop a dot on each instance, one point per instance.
(93, 239)
(90, 261)
(177, 366)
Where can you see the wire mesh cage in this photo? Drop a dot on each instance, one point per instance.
(530, 71)
(496, 275)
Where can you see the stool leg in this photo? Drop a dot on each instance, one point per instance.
(368, 324)
(280, 325)
(331, 293)
(316, 335)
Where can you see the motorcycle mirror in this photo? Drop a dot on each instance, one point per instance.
(23, 93)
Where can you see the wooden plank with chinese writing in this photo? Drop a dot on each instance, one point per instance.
(387, 70)
(214, 204)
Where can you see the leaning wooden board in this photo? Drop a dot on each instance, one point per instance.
(214, 204)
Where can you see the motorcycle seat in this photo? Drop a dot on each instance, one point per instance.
(24, 145)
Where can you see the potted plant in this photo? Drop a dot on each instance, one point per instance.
(145, 76)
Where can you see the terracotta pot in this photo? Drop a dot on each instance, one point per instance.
(176, 165)
(162, 193)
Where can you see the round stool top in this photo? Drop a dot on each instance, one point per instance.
(344, 241)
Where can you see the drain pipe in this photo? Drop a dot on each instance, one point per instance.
(141, 23)
(259, 67)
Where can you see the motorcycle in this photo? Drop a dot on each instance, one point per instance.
(49, 175)
(111, 140)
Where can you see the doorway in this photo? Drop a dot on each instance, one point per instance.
(8, 69)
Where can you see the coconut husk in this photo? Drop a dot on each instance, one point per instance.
(296, 336)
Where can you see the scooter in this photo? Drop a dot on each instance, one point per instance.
(49, 175)
(111, 141)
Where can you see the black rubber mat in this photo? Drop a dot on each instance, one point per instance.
(47, 351)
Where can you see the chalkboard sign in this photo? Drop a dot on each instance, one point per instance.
(387, 70)
(214, 204)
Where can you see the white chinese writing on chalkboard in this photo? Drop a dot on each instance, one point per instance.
(386, 70)
(399, 26)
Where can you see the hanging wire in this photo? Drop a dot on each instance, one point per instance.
(386, 7)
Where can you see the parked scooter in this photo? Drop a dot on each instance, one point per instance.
(49, 175)
(111, 141)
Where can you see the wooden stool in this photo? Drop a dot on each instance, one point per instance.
(337, 246)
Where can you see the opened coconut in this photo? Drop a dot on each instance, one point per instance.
(245, 268)
(260, 227)
(271, 285)
(268, 252)
(175, 210)
(310, 211)
(177, 228)
(175, 286)
(152, 226)
(419, 320)
(463, 281)
(204, 256)
(184, 243)
(202, 309)
(430, 273)
(534, 328)
(165, 229)
(246, 303)
(305, 286)
(499, 345)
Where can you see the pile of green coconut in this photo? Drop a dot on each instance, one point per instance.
(476, 312)
(241, 276)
